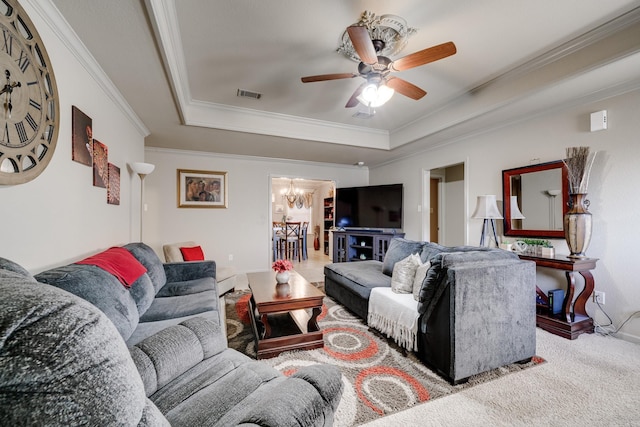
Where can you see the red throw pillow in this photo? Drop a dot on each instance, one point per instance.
(119, 262)
(192, 254)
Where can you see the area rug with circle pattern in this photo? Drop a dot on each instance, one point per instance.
(379, 377)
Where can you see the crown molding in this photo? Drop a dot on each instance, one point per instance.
(50, 14)
(206, 114)
(495, 94)
(209, 154)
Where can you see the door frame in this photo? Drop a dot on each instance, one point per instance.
(270, 196)
(426, 204)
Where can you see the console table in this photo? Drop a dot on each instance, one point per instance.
(571, 322)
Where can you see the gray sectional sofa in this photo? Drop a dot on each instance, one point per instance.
(139, 356)
(165, 295)
(475, 310)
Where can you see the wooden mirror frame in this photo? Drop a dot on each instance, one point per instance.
(506, 197)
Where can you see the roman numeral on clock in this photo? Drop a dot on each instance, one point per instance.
(31, 121)
(23, 61)
(22, 133)
(6, 134)
(8, 42)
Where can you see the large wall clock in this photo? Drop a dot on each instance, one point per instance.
(29, 106)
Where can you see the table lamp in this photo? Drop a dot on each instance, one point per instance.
(487, 209)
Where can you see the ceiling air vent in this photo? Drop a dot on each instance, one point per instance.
(248, 94)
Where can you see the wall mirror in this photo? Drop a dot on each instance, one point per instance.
(535, 200)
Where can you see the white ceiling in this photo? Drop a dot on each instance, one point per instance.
(179, 65)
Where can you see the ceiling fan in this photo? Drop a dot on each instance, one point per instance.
(376, 70)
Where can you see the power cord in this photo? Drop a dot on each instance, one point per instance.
(602, 329)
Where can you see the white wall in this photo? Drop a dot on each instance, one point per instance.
(244, 229)
(60, 217)
(614, 201)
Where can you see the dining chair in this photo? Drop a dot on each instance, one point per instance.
(302, 243)
(277, 239)
(291, 240)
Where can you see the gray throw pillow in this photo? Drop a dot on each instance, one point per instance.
(421, 274)
(404, 273)
(399, 249)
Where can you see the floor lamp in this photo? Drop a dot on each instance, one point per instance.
(487, 210)
(552, 207)
(142, 169)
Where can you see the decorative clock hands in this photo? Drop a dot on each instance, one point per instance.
(8, 89)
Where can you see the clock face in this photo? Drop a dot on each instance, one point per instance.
(28, 98)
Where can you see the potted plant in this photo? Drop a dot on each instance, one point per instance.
(282, 267)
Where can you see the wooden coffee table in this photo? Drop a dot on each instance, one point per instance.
(282, 323)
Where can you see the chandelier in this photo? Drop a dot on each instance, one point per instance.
(291, 195)
(297, 197)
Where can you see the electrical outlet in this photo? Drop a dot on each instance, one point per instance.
(230, 257)
(598, 296)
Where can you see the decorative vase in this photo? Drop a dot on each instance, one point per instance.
(282, 277)
(577, 225)
(283, 289)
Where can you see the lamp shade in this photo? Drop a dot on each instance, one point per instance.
(142, 168)
(515, 211)
(487, 208)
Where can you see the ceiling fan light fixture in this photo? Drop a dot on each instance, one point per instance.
(375, 94)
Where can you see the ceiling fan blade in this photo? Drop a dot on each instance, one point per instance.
(425, 56)
(353, 101)
(324, 77)
(362, 43)
(405, 88)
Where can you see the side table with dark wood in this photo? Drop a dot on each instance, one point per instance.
(571, 322)
(282, 322)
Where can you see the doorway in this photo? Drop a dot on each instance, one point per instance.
(295, 199)
(446, 219)
(434, 209)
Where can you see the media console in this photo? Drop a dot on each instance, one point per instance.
(360, 245)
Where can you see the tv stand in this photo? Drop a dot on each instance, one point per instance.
(361, 245)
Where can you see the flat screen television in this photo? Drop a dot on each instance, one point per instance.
(371, 207)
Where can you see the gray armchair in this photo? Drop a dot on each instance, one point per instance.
(225, 275)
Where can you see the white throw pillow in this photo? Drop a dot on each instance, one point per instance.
(404, 273)
(421, 273)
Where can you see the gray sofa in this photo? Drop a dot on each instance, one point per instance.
(165, 295)
(476, 306)
(63, 361)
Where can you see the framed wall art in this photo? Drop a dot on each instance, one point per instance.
(113, 185)
(82, 137)
(202, 189)
(100, 164)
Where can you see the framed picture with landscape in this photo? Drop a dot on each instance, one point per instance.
(202, 189)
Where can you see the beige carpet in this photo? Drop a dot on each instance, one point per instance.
(591, 381)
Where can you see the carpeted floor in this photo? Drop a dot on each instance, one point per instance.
(379, 377)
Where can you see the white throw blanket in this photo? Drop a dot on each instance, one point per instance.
(395, 315)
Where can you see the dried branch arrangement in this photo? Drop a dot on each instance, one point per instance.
(579, 162)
